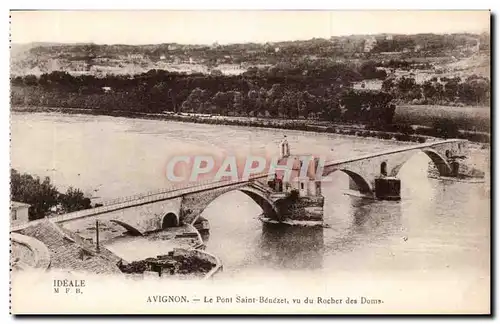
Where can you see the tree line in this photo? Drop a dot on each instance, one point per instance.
(306, 89)
(314, 90)
(473, 90)
(43, 196)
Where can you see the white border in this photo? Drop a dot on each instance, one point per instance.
(185, 4)
(255, 4)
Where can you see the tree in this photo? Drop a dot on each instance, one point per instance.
(159, 97)
(407, 86)
(389, 84)
(368, 70)
(193, 101)
(475, 90)
(311, 104)
(252, 97)
(432, 91)
(30, 80)
(74, 200)
(451, 88)
(222, 102)
(238, 105)
(41, 195)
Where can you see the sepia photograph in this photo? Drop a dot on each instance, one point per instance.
(250, 162)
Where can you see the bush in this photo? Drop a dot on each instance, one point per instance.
(445, 128)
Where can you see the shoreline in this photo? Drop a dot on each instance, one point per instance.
(357, 130)
(420, 134)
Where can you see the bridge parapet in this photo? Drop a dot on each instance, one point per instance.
(365, 170)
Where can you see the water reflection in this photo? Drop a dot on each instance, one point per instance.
(284, 246)
(359, 223)
(292, 247)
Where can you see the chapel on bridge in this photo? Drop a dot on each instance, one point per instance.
(306, 185)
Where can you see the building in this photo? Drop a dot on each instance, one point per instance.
(172, 47)
(368, 85)
(296, 184)
(305, 183)
(369, 44)
(135, 56)
(19, 213)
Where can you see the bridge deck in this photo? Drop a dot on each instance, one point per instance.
(175, 192)
(392, 151)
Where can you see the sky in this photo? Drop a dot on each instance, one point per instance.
(207, 27)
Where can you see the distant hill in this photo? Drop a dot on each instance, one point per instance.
(38, 58)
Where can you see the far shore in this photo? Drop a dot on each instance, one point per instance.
(420, 133)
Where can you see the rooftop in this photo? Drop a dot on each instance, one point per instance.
(17, 205)
(68, 251)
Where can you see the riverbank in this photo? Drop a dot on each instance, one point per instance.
(403, 133)
(179, 263)
(300, 125)
(181, 255)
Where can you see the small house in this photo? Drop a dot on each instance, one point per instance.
(19, 213)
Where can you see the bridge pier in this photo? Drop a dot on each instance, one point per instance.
(384, 188)
(302, 210)
(388, 188)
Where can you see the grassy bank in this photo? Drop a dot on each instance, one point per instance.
(466, 118)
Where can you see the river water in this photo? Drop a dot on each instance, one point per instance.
(437, 226)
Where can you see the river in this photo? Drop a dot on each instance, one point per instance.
(437, 226)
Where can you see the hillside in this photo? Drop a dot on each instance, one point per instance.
(351, 79)
(451, 52)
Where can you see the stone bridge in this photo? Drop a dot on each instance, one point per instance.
(183, 205)
(157, 210)
(194, 204)
(364, 170)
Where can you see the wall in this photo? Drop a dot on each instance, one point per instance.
(40, 250)
(21, 215)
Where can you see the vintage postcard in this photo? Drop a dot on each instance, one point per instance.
(250, 162)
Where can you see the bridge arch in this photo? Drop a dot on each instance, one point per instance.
(360, 181)
(169, 220)
(130, 229)
(383, 168)
(439, 161)
(257, 195)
